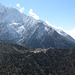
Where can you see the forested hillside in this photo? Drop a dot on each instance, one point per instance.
(19, 60)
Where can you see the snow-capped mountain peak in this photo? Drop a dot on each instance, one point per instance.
(2, 8)
(17, 27)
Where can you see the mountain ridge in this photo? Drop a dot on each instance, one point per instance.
(16, 27)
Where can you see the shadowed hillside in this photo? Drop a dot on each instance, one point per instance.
(19, 60)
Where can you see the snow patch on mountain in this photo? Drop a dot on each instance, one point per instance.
(20, 27)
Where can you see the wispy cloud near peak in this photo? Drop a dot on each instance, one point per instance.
(33, 14)
(71, 32)
(21, 9)
(18, 5)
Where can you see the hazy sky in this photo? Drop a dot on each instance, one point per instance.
(60, 13)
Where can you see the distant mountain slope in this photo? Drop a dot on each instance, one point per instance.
(63, 33)
(45, 37)
(16, 27)
(9, 47)
(52, 62)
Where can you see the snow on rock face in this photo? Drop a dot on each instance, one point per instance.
(63, 33)
(15, 23)
(18, 27)
(2, 8)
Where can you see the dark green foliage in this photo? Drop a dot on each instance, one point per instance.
(53, 62)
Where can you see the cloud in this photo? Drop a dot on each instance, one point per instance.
(18, 5)
(47, 22)
(54, 26)
(21, 10)
(71, 32)
(33, 14)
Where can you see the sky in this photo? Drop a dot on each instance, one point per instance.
(59, 13)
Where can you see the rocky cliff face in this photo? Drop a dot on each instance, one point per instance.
(16, 27)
